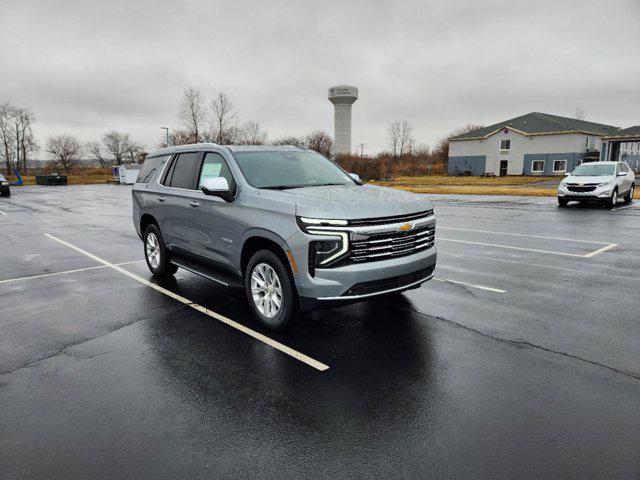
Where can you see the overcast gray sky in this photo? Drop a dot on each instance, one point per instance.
(84, 67)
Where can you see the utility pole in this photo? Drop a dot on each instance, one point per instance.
(361, 145)
(166, 129)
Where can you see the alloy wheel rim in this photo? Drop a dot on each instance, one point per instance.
(266, 290)
(152, 246)
(614, 199)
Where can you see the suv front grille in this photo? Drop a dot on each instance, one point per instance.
(391, 245)
(394, 219)
(581, 188)
(376, 286)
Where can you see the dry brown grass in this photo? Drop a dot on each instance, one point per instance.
(481, 190)
(444, 180)
(80, 176)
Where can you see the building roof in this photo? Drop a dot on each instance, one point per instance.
(536, 123)
(631, 132)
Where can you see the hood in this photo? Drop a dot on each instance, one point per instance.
(351, 201)
(588, 179)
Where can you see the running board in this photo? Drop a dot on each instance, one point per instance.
(207, 273)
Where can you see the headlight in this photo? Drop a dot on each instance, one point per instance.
(605, 183)
(4, 183)
(324, 252)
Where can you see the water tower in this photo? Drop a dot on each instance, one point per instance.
(342, 97)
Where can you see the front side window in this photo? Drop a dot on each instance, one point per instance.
(594, 170)
(559, 166)
(181, 172)
(537, 166)
(623, 168)
(214, 166)
(289, 169)
(505, 144)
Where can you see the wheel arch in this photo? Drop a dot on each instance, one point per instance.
(264, 240)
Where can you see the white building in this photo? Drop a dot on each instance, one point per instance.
(623, 146)
(533, 144)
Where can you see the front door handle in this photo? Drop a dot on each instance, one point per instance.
(161, 199)
(194, 204)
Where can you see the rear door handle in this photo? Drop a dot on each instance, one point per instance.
(161, 199)
(194, 204)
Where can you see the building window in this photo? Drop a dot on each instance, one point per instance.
(505, 145)
(559, 166)
(537, 166)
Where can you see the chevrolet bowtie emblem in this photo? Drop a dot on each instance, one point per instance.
(406, 227)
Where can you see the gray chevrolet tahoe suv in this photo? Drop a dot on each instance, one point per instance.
(286, 224)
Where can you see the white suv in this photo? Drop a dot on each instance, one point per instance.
(604, 182)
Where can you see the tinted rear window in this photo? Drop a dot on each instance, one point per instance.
(182, 171)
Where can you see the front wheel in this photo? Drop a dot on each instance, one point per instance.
(270, 291)
(156, 253)
(629, 196)
(613, 200)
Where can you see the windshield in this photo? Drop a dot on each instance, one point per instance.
(290, 169)
(593, 170)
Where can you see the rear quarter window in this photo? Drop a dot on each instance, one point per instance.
(150, 169)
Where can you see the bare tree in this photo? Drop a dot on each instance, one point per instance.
(95, 150)
(17, 141)
(178, 137)
(290, 140)
(579, 114)
(321, 142)
(251, 133)
(224, 129)
(134, 151)
(6, 135)
(400, 137)
(192, 113)
(117, 144)
(65, 151)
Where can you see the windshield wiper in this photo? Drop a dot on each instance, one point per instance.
(284, 187)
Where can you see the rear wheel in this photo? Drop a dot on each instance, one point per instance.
(629, 196)
(270, 291)
(156, 253)
(613, 200)
(562, 201)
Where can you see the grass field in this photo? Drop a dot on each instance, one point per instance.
(514, 186)
(76, 177)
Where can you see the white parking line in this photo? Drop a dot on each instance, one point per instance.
(523, 235)
(626, 206)
(2, 213)
(64, 272)
(471, 285)
(238, 326)
(549, 252)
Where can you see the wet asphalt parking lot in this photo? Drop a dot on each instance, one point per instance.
(521, 359)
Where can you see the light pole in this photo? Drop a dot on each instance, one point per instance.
(166, 129)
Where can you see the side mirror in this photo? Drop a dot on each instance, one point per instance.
(566, 174)
(356, 177)
(622, 174)
(217, 187)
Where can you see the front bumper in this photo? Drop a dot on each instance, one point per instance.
(353, 283)
(599, 194)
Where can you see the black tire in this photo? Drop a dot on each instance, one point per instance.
(562, 201)
(162, 268)
(613, 200)
(289, 307)
(629, 196)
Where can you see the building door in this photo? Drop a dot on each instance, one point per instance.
(503, 167)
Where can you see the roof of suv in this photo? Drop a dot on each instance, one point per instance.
(233, 148)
